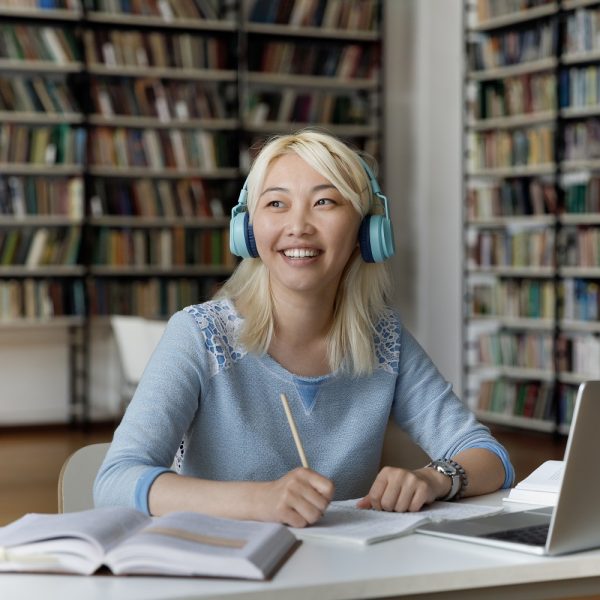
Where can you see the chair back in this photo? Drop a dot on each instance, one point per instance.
(76, 479)
(136, 339)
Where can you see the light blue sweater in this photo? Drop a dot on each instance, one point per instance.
(216, 409)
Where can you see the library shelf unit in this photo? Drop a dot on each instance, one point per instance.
(305, 68)
(162, 128)
(125, 138)
(42, 147)
(532, 209)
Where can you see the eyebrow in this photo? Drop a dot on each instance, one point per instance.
(317, 188)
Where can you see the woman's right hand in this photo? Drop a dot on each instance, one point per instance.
(298, 499)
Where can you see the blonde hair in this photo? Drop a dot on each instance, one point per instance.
(363, 288)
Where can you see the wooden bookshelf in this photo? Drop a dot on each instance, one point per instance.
(131, 132)
(537, 321)
(304, 67)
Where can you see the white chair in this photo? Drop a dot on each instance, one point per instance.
(136, 339)
(76, 479)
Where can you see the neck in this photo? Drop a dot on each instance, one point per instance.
(302, 326)
(300, 319)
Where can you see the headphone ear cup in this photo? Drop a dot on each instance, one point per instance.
(376, 238)
(241, 236)
(250, 241)
(364, 241)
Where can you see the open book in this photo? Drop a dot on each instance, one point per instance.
(345, 523)
(541, 486)
(129, 542)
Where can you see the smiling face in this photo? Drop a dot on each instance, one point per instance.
(305, 230)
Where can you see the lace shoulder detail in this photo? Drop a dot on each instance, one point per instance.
(219, 323)
(387, 341)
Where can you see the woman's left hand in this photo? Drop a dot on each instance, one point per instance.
(401, 490)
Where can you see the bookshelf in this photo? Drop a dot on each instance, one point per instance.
(531, 216)
(163, 163)
(125, 133)
(312, 63)
(42, 161)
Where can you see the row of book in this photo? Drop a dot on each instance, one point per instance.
(344, 61)
(583, 197)
(533, 299)
(583, 30)
(529, 350)
(580, 246)
(534, 247)
(530, 93)
(580, 87)
(328, 14)
(510, 198)
(157, 198)
(74, 5)
(41, 246)
(42, 145)
(160, 149)
(164, 100)
(530, 399)
(306, 107)
(488, 9)
(23, 196)
(36, 94)
(567, 394)
(165, 9)
(518, 147)
(148, 298)
(579, 354)
(582, 140)
(516, 298)
(164, 248)
(40, 299)
(30, 42)
(512, 47)
(580, 300)
(133, 48)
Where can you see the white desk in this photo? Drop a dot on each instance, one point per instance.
(407, 566)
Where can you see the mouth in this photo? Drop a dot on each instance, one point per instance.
(297, 253)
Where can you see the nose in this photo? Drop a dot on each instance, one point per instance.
(300, 221)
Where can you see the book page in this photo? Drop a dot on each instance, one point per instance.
(187, 543)
(343, 522)
(68, 542)
(546, 478)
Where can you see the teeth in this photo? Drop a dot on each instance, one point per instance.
(300, 253)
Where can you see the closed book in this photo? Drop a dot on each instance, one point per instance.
(36, 248)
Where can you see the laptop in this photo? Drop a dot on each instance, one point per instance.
(574, 524)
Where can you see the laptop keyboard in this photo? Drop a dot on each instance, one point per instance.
(534, 535)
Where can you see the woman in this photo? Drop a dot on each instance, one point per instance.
(304, 315)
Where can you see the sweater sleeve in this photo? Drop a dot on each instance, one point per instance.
(430, 412)
(162, 408)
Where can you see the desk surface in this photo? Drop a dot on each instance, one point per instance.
(414, 564)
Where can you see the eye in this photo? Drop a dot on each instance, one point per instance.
(275, 204)
(324, 202)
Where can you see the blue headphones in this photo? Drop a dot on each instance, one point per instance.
(375, 236)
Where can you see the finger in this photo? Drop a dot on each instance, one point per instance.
(312, 485)
(376, 492)
(419, 499)
(320, 483)
(307, 511)
(364, 503)
(314, 497)
(393, 491)
(405, 491)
